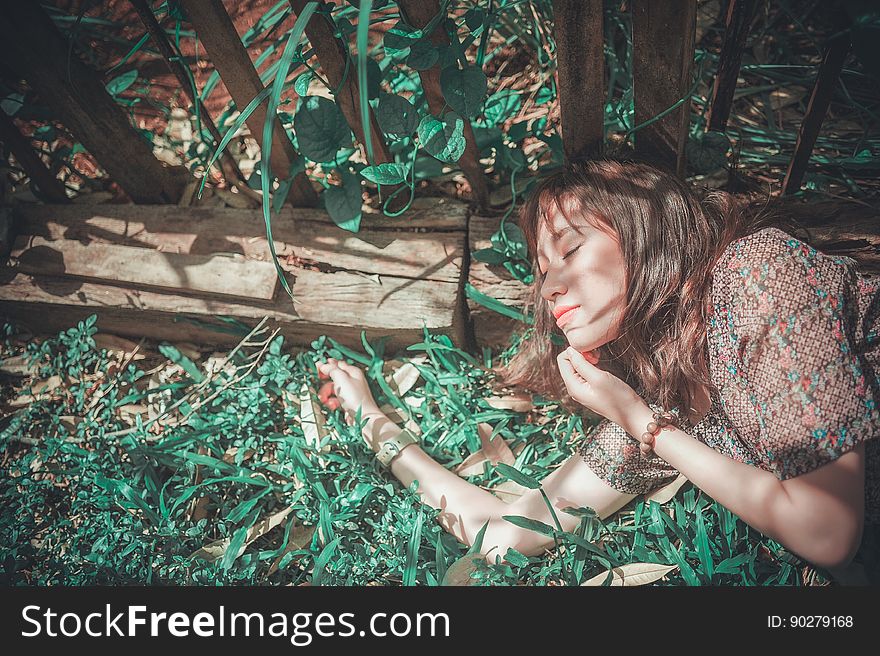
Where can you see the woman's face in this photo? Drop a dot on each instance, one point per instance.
(584, 269)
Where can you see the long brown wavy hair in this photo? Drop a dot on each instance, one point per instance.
(670, 239)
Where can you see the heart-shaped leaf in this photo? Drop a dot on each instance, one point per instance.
(463, 89)
(443, 139)
(396, 115)
(320, 128)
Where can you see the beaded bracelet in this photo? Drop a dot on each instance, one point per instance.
(653, 428)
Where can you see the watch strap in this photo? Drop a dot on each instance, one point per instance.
(394, 445)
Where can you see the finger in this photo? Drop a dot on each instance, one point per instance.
(569, 374)
(583, 366)
(349, 368)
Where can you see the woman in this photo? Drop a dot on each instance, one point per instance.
(670, 303)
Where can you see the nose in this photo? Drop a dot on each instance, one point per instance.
(551, 286)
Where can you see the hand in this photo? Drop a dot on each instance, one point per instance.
(349, 385)
(594, 388)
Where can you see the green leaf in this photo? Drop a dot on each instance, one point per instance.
(501, 106)
(231, 553)
(396, 115)
(514, 557)
(530, 524)
(301, 83)
(173, 354)
(489, 255)
(709, 153)
(444, 139)
(320, 129)
(544, 95)
(412, 553)
(386, 174)
(422, 55)
(119, 84)
(400, 37)
(517, 476)
(463, 89)
(344, 203)
(322, 560)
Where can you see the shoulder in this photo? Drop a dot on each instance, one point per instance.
(772, 262)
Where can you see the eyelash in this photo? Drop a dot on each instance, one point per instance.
(544, 275)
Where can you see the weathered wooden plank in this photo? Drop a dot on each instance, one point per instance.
(338, 304)
(490, 328)
(826, 81)
(580, 68)
(221, 274)
(740, 14)
(220, 38)
(31, 45)
(663, 54)
(419, 13)
(47, 185)
(388, 248)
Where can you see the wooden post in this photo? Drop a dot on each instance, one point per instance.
(227, 164)
(663, 52)
(33, 47)
(580, 68)
(419, 13)
(826, 81)
(48, 185)
(740, 14)
(223, 44)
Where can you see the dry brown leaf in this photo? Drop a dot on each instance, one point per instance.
(632, 574)
(780, 98)
(667, 492)
(312, 420)
(216, 549)
(42, 389)
(459, 572)
(509, 491)
(299, 538)
(516, 402)
(116, 344)
(17, 366)
(493, 451)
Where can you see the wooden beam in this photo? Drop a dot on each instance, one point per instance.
(231, 59)
(227, 163)
(33, 47)
(419, 13)
(47, 185)
(663, 54)
(580, 70)
(225, 274)
(740, 14)
(332, 54)
(826, 81)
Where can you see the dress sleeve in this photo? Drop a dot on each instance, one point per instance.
(615, 457)
(792, 316)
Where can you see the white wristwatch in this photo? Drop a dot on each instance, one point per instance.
(392, 446)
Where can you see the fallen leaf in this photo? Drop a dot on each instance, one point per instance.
(509, 491)
(459, 572)
(312, 420)
(517, 402)
(493, 451)
(217, 549)
(667, 492)
(632, 574)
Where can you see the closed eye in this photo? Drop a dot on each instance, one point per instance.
(544, 275)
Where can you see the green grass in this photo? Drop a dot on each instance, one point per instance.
(217, 479)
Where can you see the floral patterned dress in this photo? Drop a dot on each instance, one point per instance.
(793, 341)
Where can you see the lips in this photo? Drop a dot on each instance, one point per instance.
(562, 309)
(564, 315)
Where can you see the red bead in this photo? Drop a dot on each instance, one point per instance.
(652, 427)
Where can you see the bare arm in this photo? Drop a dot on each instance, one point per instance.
(465, 507)
(818, 515)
